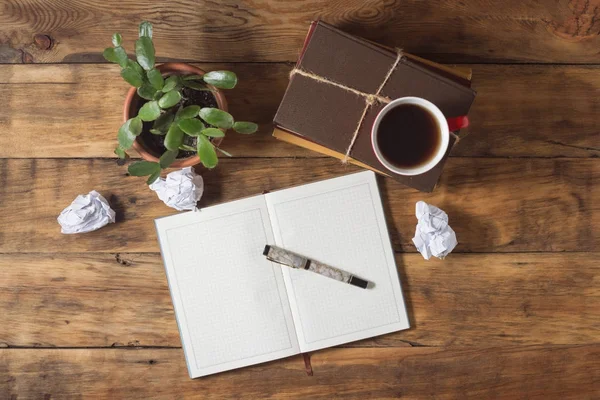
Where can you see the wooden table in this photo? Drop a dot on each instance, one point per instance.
(513, 313)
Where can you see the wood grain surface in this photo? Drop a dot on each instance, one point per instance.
(511, 314)
(554, 210)
(532, 372)
(468, 300)
(554, 31)
(544, 111)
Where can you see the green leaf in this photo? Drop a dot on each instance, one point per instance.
(153, 177)
(145, 29)
(128, 132)
(120, 153)
(109, 55)
(143, 168)
(174, 138)
(156, 79)
(221, 79)
(168, 158)
(169, 99)
(206, 152)
(149, 111)
(135, 126)
(192, 77)
(132, 77)
(187, 112)
(223, 151)
(192, 126)
(213, 132)
(170, 83)
(117, 39)
(216, 117)
(186, 147)
(146, 91)
(125, 137)
(116, 55)
(195, 85)
(163, 122)
(144, 52)
(136, 66)
(156, 132)
(245, 127)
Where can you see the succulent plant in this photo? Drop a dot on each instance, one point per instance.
(165, 109)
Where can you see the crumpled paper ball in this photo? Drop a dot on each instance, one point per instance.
(433, 235)
(181, 190)
(85, 214)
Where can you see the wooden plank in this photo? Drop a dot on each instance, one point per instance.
(542, 111)
(86, 300)
(71, 111)
(522, 204)
(248, 30)
(540, 372)
(96, 299)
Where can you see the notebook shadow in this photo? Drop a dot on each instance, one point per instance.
(406, 290)
(396, 239)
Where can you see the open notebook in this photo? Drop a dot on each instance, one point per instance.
(234, 308)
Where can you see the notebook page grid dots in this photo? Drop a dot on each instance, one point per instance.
(240, 302)
(339, 228)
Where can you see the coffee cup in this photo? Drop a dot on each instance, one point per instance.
(410, 135)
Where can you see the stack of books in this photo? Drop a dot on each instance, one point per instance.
(325, 101)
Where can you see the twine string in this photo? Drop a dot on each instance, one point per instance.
(370, 98)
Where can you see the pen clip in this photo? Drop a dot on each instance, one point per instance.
(277, 261)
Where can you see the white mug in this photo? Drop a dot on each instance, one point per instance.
(444, 125)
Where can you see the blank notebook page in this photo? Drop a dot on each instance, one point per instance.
(339, 222)
(231, 303)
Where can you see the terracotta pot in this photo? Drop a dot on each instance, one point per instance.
(128, 110)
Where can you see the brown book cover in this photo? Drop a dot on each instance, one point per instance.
(329, 115)
(291, 138)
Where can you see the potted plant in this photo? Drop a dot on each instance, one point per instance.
(175, 115)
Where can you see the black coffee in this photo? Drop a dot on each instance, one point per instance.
(408, 136)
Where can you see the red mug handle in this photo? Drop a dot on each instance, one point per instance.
(457, 123)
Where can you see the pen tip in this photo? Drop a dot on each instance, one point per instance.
(266, 250)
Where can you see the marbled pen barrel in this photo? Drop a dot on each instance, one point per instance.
(293, 260)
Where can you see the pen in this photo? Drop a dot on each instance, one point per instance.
(293, 260)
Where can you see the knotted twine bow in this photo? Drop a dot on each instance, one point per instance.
(370, 98)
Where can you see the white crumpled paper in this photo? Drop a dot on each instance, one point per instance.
(86, 213)
(433, 235)
(181, 190)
